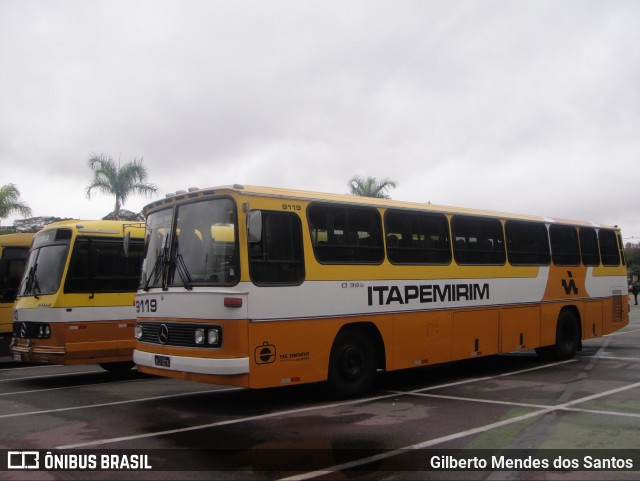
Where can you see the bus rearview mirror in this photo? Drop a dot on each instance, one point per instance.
(254, 226)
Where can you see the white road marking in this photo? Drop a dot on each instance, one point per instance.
(278, 413)
(53, 375)
(454, 436)
(100, 405)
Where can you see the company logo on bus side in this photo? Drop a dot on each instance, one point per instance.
(426, 293)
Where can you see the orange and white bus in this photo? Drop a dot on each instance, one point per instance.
(75, 301)
(14, 249)
(261, 287)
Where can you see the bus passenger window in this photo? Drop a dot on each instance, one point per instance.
(414, 238)
(278, 257)
(589, 247)
(564, 245)
(345, 235)
(477, 241)
(11, 268)
(100, 265)
(609, 248)
(527, 243)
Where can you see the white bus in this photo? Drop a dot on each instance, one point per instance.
(261, 287)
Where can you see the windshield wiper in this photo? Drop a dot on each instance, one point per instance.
(181, 266)
(158, 271)
(31, 283)
(183, 272)
(166, 266)
(155, 272)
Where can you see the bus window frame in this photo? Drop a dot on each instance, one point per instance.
(543, 256)
(296, 239)
(603, 256)
(417, 216)
(62, 237)
(582, 243)
(555, 255)
(173, 278)
(9, 289)
(348, 246)
(457, 253)
(92, 243)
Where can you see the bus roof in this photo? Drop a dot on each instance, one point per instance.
(100, 227)
(301, 195)
(18, 239)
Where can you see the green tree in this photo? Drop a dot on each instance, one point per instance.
(632, 256)
(10, 202)
(371, 187)
(119, 180)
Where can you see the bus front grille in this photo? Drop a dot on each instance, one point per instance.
(179, 334)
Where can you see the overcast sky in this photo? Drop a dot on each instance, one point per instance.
(528, 106)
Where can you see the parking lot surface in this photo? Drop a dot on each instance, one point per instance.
(527, 419)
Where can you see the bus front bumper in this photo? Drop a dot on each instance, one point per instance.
(196, 365)
(24, 352)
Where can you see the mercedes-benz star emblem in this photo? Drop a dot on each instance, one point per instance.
(163, 335)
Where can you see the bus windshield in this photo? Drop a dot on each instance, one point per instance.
(46, 263)
(156, 248)
(201, 249)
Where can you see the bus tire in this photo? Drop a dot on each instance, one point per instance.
(352, 364)
(568, 338)
(117, 367)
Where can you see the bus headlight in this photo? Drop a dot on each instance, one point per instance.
(138, 331)
(43, 332)
(213, 337)
(199, 336)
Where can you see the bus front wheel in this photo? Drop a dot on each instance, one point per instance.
(568, 337)
(352, 364)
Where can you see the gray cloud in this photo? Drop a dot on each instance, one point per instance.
(530, 107)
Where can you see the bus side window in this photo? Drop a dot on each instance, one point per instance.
(416, 238)
(609, 248)
(527, 243)
(479, 241)
(277, 258)
(100, 265)
(589, 247)
(346, 235)
(11, 268)
(564, 245)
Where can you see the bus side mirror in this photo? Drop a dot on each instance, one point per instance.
(254, 226)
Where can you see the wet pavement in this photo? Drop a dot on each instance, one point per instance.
(582, 414)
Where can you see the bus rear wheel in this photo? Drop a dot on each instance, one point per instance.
(352, 364)
(117, 367)
(568, 337)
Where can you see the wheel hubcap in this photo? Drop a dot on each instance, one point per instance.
(353, 362)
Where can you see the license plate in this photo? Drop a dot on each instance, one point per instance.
(162, 361)
(17, 356)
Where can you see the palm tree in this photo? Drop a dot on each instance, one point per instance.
(121, 181)
(10, 202)
(371, 187)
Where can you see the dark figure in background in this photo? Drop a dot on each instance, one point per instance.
(634, 291)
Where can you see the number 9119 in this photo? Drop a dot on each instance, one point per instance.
(147, 305)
